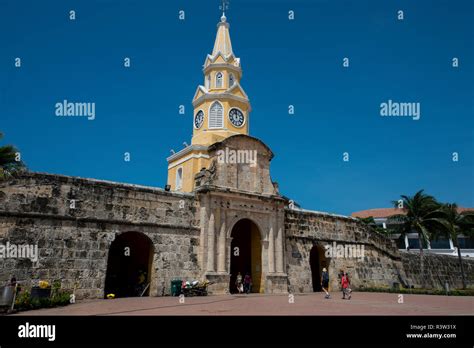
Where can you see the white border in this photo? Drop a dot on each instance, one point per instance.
(243, 113)
(194, 119)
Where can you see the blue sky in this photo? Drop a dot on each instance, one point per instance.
(284, 62)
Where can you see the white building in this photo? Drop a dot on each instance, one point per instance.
(410, 242)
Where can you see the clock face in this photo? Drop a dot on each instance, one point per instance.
(236, 117)
(198, 119)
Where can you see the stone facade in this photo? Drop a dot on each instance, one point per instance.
(438, 270)
(220, 211)
(241, 176)
(380, 266)
(74, 222)
(230, 192)
(74, 242)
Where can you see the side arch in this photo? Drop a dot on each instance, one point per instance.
(129, 265)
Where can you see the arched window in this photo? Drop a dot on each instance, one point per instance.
(179, 178)
(216, 116)
(219, 78)
(231, 80)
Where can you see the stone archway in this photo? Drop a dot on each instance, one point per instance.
(246, 254)
(129, 264)
(317, 261)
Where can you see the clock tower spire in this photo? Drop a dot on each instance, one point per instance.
(221, 109)
(221, 106)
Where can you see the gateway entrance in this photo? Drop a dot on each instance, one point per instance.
(129, 265)
(246, 255)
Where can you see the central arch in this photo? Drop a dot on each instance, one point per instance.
(246, 254)
(129, 265)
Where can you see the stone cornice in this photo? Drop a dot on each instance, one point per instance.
(320, 213)
(217, 190)
(94, 220)
(220, 96)
(185, 151)
(229, 66)
(47, 178)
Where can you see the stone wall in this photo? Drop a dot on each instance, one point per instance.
(73, 221)
(380, 267)
(438, 269)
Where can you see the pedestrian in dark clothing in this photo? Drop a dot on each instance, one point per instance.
(325, 282)
(247, 283)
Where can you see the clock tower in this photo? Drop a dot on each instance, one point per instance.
(221, 109)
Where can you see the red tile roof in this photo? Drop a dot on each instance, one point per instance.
(386, 212)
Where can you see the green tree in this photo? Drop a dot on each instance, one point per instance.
(369, 221)
(421, 214)
(8, 161)
(456, 224)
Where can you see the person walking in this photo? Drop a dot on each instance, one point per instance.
(345, 284)
(238, 283)
(247, 283)
(141, 283)
(325, 282)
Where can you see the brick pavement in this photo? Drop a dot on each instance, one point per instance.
(255, 304)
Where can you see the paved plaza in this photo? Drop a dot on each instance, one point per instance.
(257, 304)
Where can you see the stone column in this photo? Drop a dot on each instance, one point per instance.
(271, 248)
(211, 233)
(229, 252)
(203, 236)
(279, 250)
(221, 244)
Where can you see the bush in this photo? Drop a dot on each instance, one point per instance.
(23, 301)
(59, 297)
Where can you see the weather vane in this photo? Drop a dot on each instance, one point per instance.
(224, 6)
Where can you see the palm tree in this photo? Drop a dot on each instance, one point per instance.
(8, 162)
(421, 214)
(456, 224)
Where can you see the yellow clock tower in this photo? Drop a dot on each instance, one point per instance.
(221, 109)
